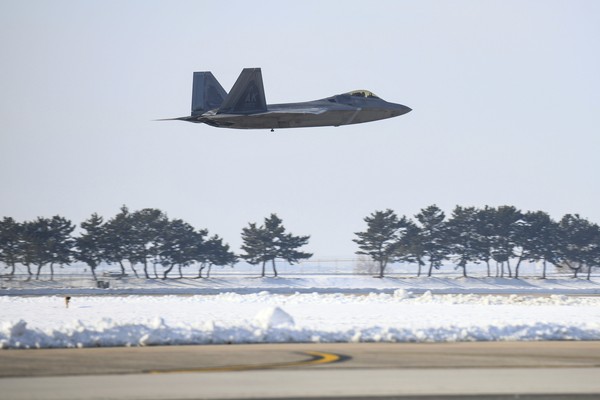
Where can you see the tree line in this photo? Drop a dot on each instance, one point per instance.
(150, 243)
(480, 235)
(145, 239)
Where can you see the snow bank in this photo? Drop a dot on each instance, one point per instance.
(273, 317)
(40, 322)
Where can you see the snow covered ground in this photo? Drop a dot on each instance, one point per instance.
(289, 284)
(300, 309)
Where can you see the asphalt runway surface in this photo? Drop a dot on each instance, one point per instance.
(480, 370)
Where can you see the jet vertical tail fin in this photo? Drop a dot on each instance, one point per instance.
(207, 93)
(247, 95)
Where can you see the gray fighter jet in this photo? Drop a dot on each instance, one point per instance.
(245, 107)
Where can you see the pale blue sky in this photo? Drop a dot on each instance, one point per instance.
(506, 99)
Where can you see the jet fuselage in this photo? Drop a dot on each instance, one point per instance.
(332, 111)
(245, 106)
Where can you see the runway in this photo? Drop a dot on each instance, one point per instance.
(486, 370)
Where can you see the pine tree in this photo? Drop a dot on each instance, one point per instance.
(274, 232)
(47, 241)
(60, 245)
(506, 225)
(593, 251)
(485, 230)
(269, 242)
(579, 244)
(464, 240)
(90, 244)
(536, 239)
(411, 247)
(36, 235)
(200, 250)
(10, 237)
(148, 225)
(118, 240)
(381, 239)
(434, 234)
(218, 253)
(176, 245)
(255, 245)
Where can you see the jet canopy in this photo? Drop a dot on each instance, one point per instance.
(363, 93)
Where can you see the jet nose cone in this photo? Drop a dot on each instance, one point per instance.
(399, 109)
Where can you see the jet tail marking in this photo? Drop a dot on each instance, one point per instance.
(207, 93)
(247, 96)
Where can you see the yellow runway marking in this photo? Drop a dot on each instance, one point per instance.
(317, 358)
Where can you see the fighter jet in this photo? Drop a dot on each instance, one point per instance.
(245, 107)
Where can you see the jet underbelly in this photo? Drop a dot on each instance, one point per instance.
(284, 119)
(326, 118)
